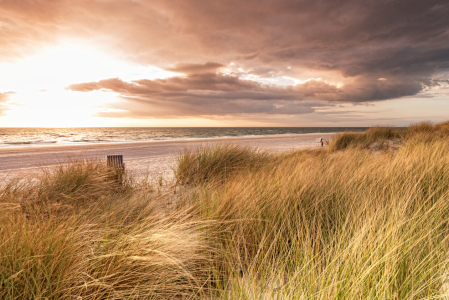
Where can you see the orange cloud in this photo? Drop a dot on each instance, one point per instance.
(226, 94)
(191, 68)
(343, 40)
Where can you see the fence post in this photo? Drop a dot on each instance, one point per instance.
(116, 162)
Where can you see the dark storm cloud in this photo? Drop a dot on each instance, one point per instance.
(210, 94)
(218, 93)
(351, 42)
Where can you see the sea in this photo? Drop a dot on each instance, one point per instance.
(28, 137)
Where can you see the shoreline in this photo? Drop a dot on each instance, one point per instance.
(88, 146)
(153, 159)
(64, 144)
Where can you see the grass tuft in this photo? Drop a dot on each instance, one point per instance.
(221, 161)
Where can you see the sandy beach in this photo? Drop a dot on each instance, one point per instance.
(155, 158)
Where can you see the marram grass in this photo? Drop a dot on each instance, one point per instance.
(76, 234)
(384, 136)
(310, 224)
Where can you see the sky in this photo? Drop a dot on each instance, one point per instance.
(77, 63)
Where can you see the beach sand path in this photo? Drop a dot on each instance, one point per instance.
(153, 159)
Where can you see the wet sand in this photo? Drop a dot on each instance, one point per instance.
(155, 158)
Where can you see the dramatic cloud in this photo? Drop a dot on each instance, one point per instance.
(221, 94)
(349, 44)
(210, 94)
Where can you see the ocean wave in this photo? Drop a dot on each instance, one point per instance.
(29, 137)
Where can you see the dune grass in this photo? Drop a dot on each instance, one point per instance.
(310, 224)
(211, 163)
(351, 225)
(383, 136)
(74, 233)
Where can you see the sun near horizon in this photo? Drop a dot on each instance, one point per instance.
(147, 64)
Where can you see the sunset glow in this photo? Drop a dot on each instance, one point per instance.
(224, 149)
(39, 83)
(145, 63)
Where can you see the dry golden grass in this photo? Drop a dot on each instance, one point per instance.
(350, 225)
(310, 224)
(223, 161)
(76, 234)
(383, 135)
